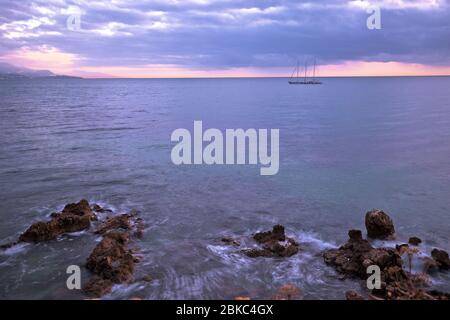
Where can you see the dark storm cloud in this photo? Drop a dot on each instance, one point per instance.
(226, 34)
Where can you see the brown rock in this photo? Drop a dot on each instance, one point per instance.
(379, 225)
(353, 295)
(274, 244)
(442, 259)
(230, 241)
(81, 208)
(355, 235)
(119, 222)
(429, 265)
(98, 287)
(99, 209)
(414, 241)
(277, 234)
(288, 292)
(64, 223)
(111, 259)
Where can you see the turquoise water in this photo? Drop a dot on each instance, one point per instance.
(347, 146)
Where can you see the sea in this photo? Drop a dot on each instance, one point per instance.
(345, 147)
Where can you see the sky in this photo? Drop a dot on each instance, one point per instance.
(226, 38)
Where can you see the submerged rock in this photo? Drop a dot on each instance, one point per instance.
(379, 225)
(441, 258)
(119, 222)
(230, 241)
(273, 244)
(288, 292)
(415, 241)
(98, 208)
(98, 287)
(353, 295)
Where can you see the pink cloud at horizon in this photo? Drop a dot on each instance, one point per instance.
(50, 58)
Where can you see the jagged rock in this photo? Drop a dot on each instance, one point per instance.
(98, 287)
(274, 244)
(64, 223)
(379, 225)
(139, 224)
(277, 234)
(230, 241)
(119, 222)
(353, 295)
(81, 208)
(6, 246)
(357, 254)
(353, 258)
(98, 208)
(288, 292)
(442, 259)
(414, 241)
(111, 259)
(439, 295)
(74, 217)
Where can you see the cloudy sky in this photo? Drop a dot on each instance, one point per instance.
(200, 38)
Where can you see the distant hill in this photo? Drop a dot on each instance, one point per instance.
(9, 71)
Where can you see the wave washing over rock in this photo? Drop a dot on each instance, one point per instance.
(113, 259)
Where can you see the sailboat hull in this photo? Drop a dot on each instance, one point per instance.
(305, 82)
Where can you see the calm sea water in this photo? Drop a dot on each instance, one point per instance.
(346, 147)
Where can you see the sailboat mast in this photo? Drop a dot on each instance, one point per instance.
(314, 74)
(298, 67)
(306, 68)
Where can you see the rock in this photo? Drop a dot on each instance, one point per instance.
(353, 295)
(277, 234)
(99, 209)
(81, 208)
(274, 244)
(230, 241)
(429, 265)
(74, 217)
(139, 224)
(98, 287)
(355, 235)
(6, 246)
(353, 258)
(111, 259)
(119, 222)
(147, 278)
(379, 225)
(438, 295)
(442, 259)
(414, 241)
(288, 292)
(64, 223)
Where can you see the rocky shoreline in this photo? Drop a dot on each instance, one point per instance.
(112, 261)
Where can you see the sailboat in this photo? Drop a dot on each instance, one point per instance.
(304, 79)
